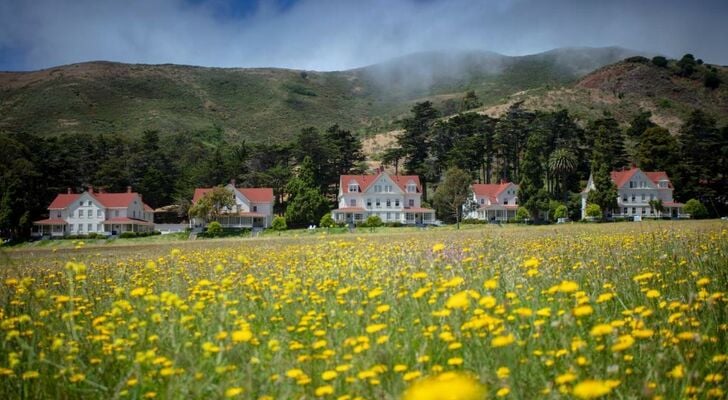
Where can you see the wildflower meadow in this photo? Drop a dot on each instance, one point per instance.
(622, 311)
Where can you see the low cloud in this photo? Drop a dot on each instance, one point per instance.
(334, 35)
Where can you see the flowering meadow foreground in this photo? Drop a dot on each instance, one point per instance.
(632, 310)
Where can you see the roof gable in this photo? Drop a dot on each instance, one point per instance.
(492, 190)
(622, 177)
(63, 200)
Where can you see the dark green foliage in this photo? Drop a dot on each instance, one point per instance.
(606, 139)
(686, 65)
(373, 221)
(639, 124)
(470, 101)
(452, 193)
(696, 209)
(532, 194)
(712, 80)
(306, 204)
(415, 141)
(658, 150)
(699, 175)
(659, 61)
(561, 212)
(637, 59)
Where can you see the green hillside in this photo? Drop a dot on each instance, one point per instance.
(264, 104)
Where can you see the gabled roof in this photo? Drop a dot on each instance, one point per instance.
(620, 178)
(490, 190)
(365, 181)
(108, 200)
(255, 195)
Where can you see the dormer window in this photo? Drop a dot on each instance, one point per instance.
(388, 188)
(353, 187)
(411, 188)
(377, 188)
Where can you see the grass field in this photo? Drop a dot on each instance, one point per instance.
(626, 311)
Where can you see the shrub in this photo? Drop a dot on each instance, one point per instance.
(279, 224)
(696, 209)
(127, 235)
(522, 214)
(561, 212)
(373, 221)
(660, 61)
(214, 229)
(637, 59)
(327, 221)
(593, 210)
(712, 80)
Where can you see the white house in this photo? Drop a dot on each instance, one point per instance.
(96, 212)
(636, 188)
(494, 201)
(394, 198)
(253, 208)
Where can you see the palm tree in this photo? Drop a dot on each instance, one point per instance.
(562, 162)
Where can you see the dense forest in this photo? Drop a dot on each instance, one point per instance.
(548, 153)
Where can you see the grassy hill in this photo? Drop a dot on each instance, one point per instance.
(273, 104)
(627, 87)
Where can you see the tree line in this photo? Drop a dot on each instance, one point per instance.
(548, 153)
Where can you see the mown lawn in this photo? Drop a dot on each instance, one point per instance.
(633, 310)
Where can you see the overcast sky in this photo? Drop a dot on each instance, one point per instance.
(332, 35)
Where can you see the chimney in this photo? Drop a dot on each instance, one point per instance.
(69, 190)
(128, 189)
(232, 182)
(91, 189)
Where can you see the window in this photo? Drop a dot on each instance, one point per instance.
(58, 214)
(625, 210)
(353, 187)
(634, 198)
(369, 203)
(389, 216)
(73, 227)
(352, 202)
(88, 203)
(80, 214)
(80, 203)
(624, 199)
(80, 227)
(396, 202)
(388, 188)
(98, 213)
(98, 228)
(255, 208)
(644, 210)
(90, 213)
(378, 203)
(116, 213)
(482, 200)
(505, 202)
(378, 188)
(634, 210)
(389, 203)
(411, 202)
(643, 197)
(90, 227)
(396, 216)
(411, 188)
(631, 184)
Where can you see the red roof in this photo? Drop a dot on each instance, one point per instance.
(50, 221)
(148, 208)
(623, 176)
(490, 190)
(364, 181)
(108, 200)
(255, 195)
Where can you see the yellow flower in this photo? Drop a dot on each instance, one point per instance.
(449, 385)
(651, 294)
(233, 391)
(623, 343)
(503, 340)
(677, 372)
(400, 368)
(375, 328)
(605, 297)
(565, 378)
(324, 390)
(459, 300)
(375, 293)
(411, 375)
(601, 330)
(502, 392)
(438, 247)
(490, 284)
(582, 311)
(77, 378)
(591, 389)
(503, 372)
(242, 336)
(532, 262)
(30, 375)
(138, 292)
(294, 373)
(568, 287)
(329, 375)
(455, 361)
